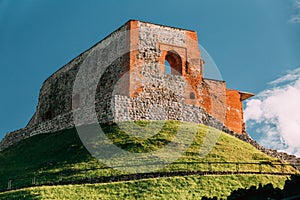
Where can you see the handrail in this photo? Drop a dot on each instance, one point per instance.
(60, 177)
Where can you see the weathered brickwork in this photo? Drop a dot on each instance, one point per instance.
(136, 85)
(234, 111)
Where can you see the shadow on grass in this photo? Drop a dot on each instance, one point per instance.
(290, 191)
(24, 195)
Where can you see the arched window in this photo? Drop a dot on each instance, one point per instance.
(173, 63)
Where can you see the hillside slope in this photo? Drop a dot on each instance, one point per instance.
(187, 187)
(61, 156)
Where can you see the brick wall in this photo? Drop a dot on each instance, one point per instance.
(234, 111)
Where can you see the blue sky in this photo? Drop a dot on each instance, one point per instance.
(252, 42)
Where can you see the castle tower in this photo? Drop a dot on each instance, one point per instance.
(152, 58)
(148, 72)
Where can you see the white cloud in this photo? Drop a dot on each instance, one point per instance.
(276, 111)
(295, 18)
(297, 4)
(291, 75)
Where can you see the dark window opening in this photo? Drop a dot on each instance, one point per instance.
(173, 63)
(48, 115)
(192, 95)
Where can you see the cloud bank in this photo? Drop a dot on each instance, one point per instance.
(275, 114)
(295, 18)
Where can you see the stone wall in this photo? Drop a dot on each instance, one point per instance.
(217, 94)
(56, 95)
(126, 71)
(154, 43)
(282, 156)
(59, 122)
(56, 98)
(234, 111)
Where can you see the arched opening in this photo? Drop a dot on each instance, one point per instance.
(173, 63)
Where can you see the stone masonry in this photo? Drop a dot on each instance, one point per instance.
(148, 72)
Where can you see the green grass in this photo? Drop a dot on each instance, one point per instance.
(61, 155)
(188, 187)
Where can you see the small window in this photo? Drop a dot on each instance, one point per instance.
(48, 115)
(173, 63)
(192, 95)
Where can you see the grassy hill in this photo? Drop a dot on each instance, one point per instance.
(187, 187)
(61, 156)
